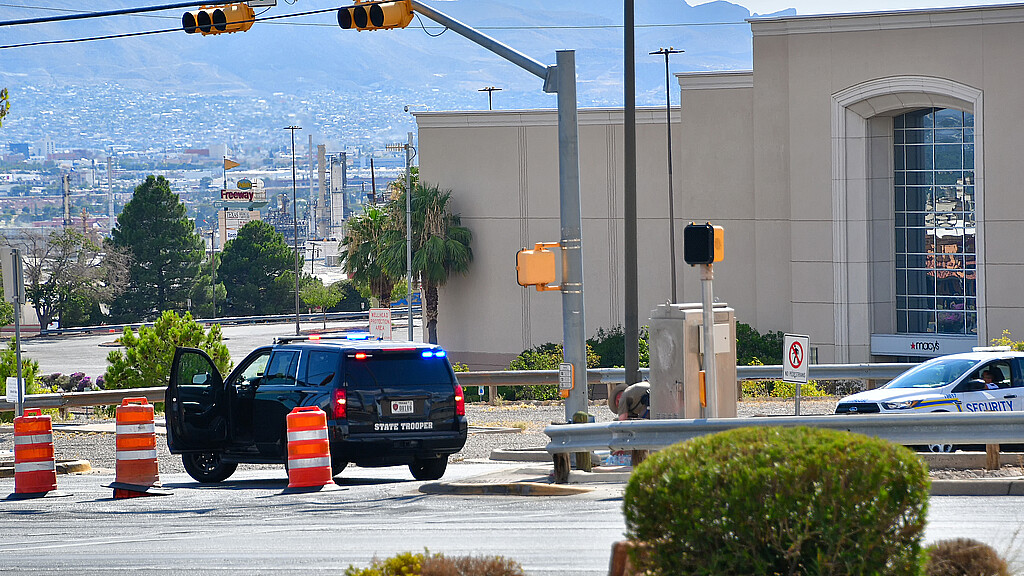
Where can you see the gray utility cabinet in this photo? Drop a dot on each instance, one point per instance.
(676, 346)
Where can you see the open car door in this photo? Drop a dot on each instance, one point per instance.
(196, 404)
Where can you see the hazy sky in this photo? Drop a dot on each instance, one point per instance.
(833, 6)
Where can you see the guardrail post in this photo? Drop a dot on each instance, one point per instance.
(561, 461)
(582, 458)
(492, 395)
(991, 456)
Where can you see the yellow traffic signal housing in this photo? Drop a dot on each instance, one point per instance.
(237, 17)
(537, 267)
(703, 244)
(376, 15)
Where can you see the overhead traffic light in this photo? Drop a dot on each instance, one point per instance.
(703, 243)
(376, 15)
(237, 17)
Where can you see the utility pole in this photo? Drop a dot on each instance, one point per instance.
(65, 181)
(632, 324)
(110, 197)
(671, 199)
(489, 90)
(409, 151)
(213, 268)
(295, 229)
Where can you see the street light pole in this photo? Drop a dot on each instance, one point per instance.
(295, 229)
(671, 199)
(213, 270)
(630, 270)
(489, 90)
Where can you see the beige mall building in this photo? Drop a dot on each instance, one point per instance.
(867, 172)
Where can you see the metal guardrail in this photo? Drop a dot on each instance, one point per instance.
(90, 398)
(230, 320)
(907, 429)
(491, 379)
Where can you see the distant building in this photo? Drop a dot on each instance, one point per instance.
(865, 171)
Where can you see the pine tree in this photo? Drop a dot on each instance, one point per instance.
(166, 252)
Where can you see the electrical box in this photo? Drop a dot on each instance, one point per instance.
(676, 344)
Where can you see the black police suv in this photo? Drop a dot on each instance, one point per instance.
(387, 404)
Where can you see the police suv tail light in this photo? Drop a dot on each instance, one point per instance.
(460, 401)
(339, 403)
(901, 405)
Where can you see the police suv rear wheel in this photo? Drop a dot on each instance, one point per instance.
(207, 466)
(429, 468)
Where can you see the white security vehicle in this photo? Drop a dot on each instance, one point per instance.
(986, 380)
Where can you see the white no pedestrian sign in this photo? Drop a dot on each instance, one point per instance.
(794, 358)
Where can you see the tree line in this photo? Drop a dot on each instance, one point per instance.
(156, 261)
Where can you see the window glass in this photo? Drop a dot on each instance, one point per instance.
(282, 368)
(254, 369)
(934, 222)
(391, 369)
(321, 366)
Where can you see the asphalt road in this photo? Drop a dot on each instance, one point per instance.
(246, 524)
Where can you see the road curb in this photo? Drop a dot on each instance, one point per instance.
(978, 487)
(62, 467)
(503, 489)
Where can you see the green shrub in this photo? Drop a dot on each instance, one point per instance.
(610, 347)
(544, 357)
(9, 369)
(1007, 340)
(751, 346)
(780, 389)
(146, 360)
(779, 501)
(427, 564)
(962, 556)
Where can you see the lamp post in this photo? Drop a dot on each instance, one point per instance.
(671, 201)
(213, 270)
(295, 229)
(409, 152)
(489, 90)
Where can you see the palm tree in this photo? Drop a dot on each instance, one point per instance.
(441, 245)
(366, 242)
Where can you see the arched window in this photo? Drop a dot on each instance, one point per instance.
(936, 262)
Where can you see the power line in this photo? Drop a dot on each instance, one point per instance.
(295, 15)
(85, 15)
(149, 32)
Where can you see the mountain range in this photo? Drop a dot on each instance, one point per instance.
(297, 54)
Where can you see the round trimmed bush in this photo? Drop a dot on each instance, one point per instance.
(768, 500)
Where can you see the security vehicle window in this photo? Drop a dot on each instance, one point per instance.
(321, 365)
(933, 374)
(282, 369)
(383, 369)
(1017, 379)
(994, 374)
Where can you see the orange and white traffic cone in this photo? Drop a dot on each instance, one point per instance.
(35, 470)
(136, 471)
(309, 451)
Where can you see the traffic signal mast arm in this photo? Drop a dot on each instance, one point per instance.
(398, 14)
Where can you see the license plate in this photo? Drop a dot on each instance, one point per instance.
(401, 406)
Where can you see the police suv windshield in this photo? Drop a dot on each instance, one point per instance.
(933, 374)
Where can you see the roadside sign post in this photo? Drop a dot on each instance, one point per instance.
(380, 323)
(14, 292)
(794, 362)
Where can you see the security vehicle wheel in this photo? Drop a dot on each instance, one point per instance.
(429, 469)
(941, 448)
(337, 466)
(207, 466)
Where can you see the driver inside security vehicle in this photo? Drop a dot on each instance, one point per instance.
(993, 377)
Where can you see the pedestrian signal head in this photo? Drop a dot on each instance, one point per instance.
(237, 17)
(376, 15)
(703, 244)
(536, 267)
